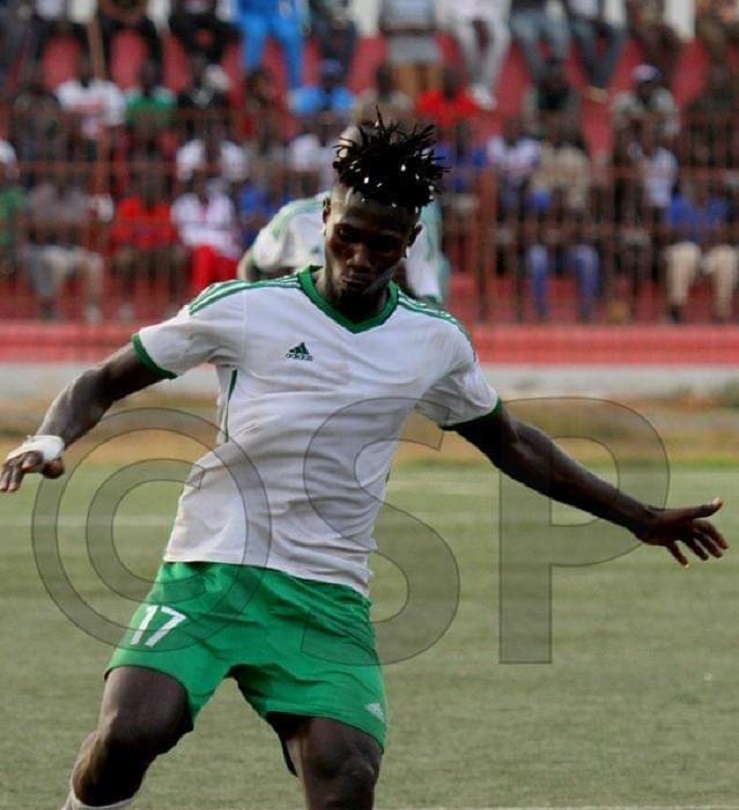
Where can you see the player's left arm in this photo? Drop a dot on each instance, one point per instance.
(529, 456)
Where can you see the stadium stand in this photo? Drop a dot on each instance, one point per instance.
(487, 233)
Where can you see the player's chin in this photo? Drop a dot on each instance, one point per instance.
(353, 289)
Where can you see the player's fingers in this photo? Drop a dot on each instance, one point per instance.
(19, 466)
(707, 509)
(15, 475)
(677, 554)
(4, 477)
(711, 531)
(694, 545)
(708, 543)
(30, 462)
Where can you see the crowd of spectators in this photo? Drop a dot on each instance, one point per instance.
(129, 190)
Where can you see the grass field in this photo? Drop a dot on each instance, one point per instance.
(639, 706)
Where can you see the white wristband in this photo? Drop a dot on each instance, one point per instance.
(50, 448)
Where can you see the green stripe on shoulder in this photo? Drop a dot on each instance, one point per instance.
(216, 292)
(292, 210)
(214, 289)
(432, 312)
(146, 359)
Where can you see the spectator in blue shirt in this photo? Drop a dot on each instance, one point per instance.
(328, 96)
(699, 223)
(281, 19)
(261, 197)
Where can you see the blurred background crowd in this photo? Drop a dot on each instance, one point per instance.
(592, 146)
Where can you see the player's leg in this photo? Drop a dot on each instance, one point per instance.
(338, 765)
(143, 715)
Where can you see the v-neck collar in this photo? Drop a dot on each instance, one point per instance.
(305, 277)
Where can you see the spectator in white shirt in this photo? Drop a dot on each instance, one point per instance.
(481, 30)
(311, 154)
(8, 157)
(515, 156)
(98, 106)
(647, 102)
(656, 172)
(222, 158)
(207, 225)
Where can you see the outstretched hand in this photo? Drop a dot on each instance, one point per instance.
(689, 527)
(14, 469)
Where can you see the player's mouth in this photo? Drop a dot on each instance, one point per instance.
(356, 283)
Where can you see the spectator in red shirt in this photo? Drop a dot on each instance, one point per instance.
(208, 227)
(145, 245)
(447, 107)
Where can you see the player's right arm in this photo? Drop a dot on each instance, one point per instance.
(74, 412)
(248, 270)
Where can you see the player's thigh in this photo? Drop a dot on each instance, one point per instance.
(143, 710)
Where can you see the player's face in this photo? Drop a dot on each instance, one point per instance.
(365, 243)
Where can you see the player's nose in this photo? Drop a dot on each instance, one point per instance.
(360, 258)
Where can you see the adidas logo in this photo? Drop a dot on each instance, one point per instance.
(299, 353)
(376, 709)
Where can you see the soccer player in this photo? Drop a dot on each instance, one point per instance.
(265, 575)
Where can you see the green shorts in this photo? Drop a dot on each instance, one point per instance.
(294, 646)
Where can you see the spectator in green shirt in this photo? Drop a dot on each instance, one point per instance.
(12, 206)
(149, 107)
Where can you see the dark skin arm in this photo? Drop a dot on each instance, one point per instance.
(529, 456)
(78, 408)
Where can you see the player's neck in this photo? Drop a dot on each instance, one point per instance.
(352, 308)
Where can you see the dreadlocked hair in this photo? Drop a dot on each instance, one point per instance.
(391, 166)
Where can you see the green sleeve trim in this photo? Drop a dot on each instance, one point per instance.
(484, 418)
(231, 389)
(145, 358)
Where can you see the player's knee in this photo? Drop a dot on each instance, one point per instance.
(351, 771)
(127, 736)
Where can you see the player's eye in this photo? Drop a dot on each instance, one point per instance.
(346, 234)
(384, 245)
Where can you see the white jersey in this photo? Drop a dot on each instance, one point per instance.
(294, 239)
(311, 408)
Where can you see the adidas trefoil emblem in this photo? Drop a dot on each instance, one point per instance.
(376, 709)
(299, 352)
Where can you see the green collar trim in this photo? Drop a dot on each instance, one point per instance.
(308, 286)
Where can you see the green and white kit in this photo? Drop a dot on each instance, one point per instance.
(311, 409)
